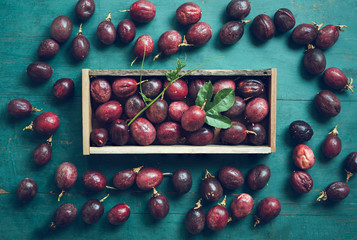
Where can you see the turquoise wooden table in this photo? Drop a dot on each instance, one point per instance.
(25, 23)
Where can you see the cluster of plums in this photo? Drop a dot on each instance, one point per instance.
(178, 120)
(304, 159)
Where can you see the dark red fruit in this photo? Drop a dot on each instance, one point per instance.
(301, 182)
(124, 87)
(119, 132)
(223, 84)
(106, 32)
(327, 103)
(142, 11)
(46, 123)
(351, 164)
(126, 31)
(284, 20)
(63, 88)
(268, 209)
(332, 145)
(159, 206)
(258, 134)
(263, 27)
(157, 112)
(80, 46)
(152, 87)
(336, 79)
(168, 43)
(182, 180)
(256, 110)
(92, 211)
(99, 137)
(193, 119)
(109, 112)
(303, 157)
(238, 9)
(241, 206)
(148, 178)
(26, 190)
(314, 61)
(201, 137)
(300, 131)
(48, 49)
(237, 109)
(195, 219)
(64, 215)
(43, 153)
(144, 46)
(94, 180)
(100, 90)
(66, 177)
(235, 134)
(217, 216)
(169, 133)
(119, 214)
(304, 34)
(133, 105)
(20, 108)
(231, 32)
(177, 90)
(258, 177)
(143, 132)
(328, 36)
(39, 72)
(84, 9)
(230, 177)
(199, 34)
(335, 192)
(250, 88)
(188, 13)
(211, 189)
(195, 87)
(126, 178)
(176, 110)
(61, 29)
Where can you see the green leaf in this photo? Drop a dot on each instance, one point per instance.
(145, 98)
(217, 120)
(223, 100)
(204, 94)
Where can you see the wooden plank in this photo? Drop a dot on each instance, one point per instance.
(272, 104)
(86, 111)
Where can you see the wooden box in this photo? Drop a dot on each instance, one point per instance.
(269, 77)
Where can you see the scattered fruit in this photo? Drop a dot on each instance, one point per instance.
(84, 9)
(48, 49)
(241, 206)
(332, 145)
(63, 88)
(43, 153)
(80, 46)
(263, 27)
(66, 177)
(211, 189)
(26, 190)
(231, 32)
(335, 192)
(304, 34)
(20, 108)
(119, 214)
(159, 206)
(230, 177)
(303, 157)
(301, 182)
(94, 180)
(64, 215)
(284, 20)
(336, 79)
(258, 177)
(142, 11)
(126, 178)
(328, 36)
(268, 209)
(188, 13)
(238, 9)
(351, 165)
(300, 131)
(199, 34)
(182, 180)
(46, 123)
(195, 219)
(61, 29)
(169, 43)
(148, 178)
(106, 32)
(314, 60)
(126, 31)
(217, 216)
(99, 137)
(144, 46)
(327, 103)
(39, 72)
(92, 210)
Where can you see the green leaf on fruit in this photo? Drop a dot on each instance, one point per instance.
(217, 120)
(204, 94)
(223, 100)
(173, 74)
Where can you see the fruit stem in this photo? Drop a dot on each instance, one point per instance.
(349, 85)
(204, 104)
(155, 193)
(102, 200)
(257, 221)
(60, 195)
(198, 204)
(34, 109)
(80, 30)
(167, 174)
(133, 62)
(109, 18)
(251, 132)
(111, 187)
(340, 27)
(142, 81)
(334, 131)
(229, 219)
(137, 170)
(49, 140)
(349, 175)
(310, 46)
(157, 56)
(121, 11)
(208, 175)
(29, 127)
(322, 197)
(318, 26)
(185, 43)
(223, 203)
(246, 99)
(245, 21)
(53, 225)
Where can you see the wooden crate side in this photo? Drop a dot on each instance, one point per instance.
(273, 95)
(86, 111)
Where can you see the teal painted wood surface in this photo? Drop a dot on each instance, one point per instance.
(24, 24)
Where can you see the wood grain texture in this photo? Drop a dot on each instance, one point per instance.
(25, 23)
